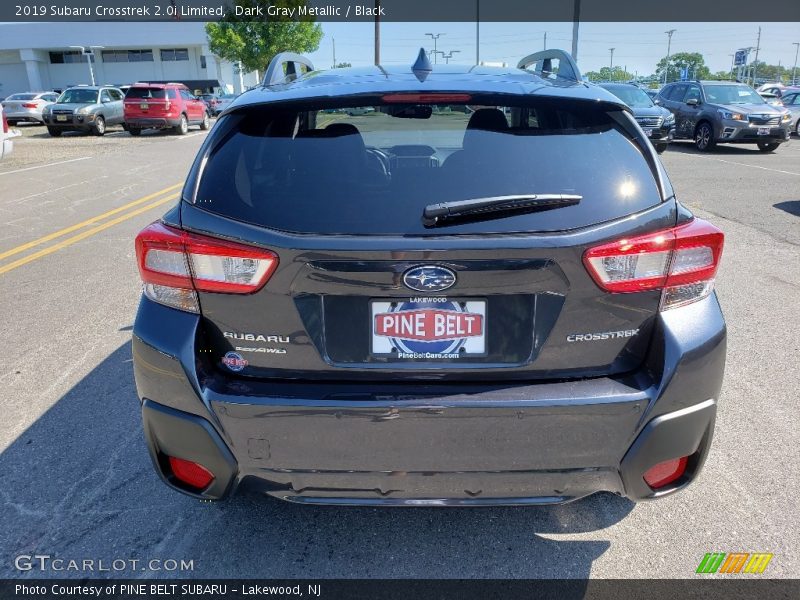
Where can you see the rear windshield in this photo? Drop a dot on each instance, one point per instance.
(373, 169)
(21, 97)
(147, 93)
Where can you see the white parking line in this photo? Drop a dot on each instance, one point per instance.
(61, 162)
(733, 162)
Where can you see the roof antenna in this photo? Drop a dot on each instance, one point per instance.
(422, 67)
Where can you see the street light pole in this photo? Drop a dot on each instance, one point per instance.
(434, 37)
(794, 69)
(89, 56)
(449, 55)
(669, 43)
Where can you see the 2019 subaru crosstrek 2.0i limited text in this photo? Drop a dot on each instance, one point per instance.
(484, 290)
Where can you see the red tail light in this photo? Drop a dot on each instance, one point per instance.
(29, 105)
(190, 473)
(174, 263)
(681, 261)
(5, 124)
(666, 472)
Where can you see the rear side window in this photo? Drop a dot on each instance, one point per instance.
(137, 93)
(372, 169)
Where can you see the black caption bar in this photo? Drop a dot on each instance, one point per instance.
(401, 10)
(743, 588)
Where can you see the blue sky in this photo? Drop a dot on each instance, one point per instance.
(639, 46)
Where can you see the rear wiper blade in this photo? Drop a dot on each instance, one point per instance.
(485, 208)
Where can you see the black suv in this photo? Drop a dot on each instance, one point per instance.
(716, 112)
(656, 121)
(482, 290)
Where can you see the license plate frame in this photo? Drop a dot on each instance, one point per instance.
(61, 118)
(459, 314)
(648, 131)
(144, 106)
(763, 130)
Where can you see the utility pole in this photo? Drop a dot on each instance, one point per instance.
(434, 37)
(545, 40)
(732, 57)
(377, 32)
(755, 62)
(794, 69)
(449, 55)
(669, 43)
(477, 32)
(576, 17)
(334, 53)
(611, 65)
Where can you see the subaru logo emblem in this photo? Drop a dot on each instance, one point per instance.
(429, 278)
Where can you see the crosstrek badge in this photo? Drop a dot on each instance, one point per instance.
(429, 328)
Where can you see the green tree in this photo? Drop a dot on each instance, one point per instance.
(254, 40)
(607, 74)
(694, 61)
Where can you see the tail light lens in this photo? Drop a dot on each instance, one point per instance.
(5, 124)
(29, 105)
(175, 264)
(191, 473)
(682, 262)
(666, 472)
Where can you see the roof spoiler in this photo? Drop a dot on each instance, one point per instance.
(542, 63)
(277, 73)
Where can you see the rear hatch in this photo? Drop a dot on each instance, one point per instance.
(367, 289)
(148, 102)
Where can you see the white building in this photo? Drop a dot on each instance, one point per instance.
(38, 56)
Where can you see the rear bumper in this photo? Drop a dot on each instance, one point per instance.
(25, 115)
(152, 122)
(516, 444)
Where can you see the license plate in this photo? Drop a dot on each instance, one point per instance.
(428, 328)
(144, 106)
(763, 131)
(648, 132)
(61, 117)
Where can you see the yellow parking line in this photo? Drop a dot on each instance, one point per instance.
(83, 235)
(77, 226)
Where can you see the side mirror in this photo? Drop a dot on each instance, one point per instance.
(657, 102)
(693, 102)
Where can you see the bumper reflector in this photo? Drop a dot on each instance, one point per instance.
(665, 472)
(190, 473)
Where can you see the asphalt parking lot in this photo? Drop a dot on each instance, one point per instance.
(76, 480)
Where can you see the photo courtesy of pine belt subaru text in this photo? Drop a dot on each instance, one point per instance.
(428, 286)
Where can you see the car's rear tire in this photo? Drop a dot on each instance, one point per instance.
(134, 131)
(768, 146)
(205, 124)
(704, 137)
(54, 132)
(99, 127)
(660, 148)
(182, 128)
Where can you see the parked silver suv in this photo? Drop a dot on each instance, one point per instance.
(85, 108)
(716, 112)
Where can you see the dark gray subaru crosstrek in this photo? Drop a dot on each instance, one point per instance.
(428, 286)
